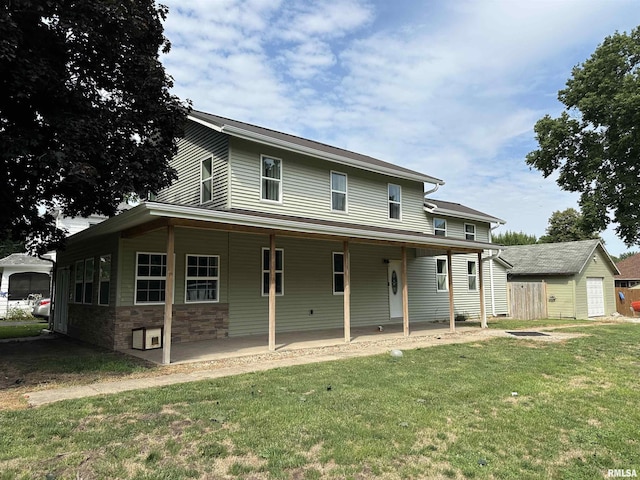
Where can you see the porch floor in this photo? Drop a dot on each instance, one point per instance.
(233, 347)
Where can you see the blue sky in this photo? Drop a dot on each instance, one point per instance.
(448, 88)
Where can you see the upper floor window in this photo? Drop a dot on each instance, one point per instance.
(338, 272)
(469, 231)
(338, 192)
(440, 227)
(442, 280)
(266, 259)
(202, 278)
(105, 280)
(395, 201)
(271, 179)
(472, 275)
(206, 180)
(151, 277)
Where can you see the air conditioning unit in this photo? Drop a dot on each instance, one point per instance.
(147, 338)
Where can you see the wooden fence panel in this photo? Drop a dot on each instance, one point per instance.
(623, 307)
(528, 300)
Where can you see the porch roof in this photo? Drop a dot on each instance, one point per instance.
(151, 216)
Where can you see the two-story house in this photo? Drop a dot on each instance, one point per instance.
(265, 232)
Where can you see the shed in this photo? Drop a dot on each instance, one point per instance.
(579, 276)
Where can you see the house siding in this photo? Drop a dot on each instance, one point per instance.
(500, 300)
(455, 227)
(199, 143)
(306, 189)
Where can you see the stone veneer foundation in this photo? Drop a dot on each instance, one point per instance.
(111, 327)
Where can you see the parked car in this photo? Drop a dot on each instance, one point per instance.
(42, 308)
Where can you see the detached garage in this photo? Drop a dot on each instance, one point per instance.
(578, 276)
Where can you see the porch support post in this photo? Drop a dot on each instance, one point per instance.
(452, 313)
(405, 293)
(347, 292)
(483, 313)
(168, 296)
(272, 292)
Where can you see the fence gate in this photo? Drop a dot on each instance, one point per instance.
(528, 300)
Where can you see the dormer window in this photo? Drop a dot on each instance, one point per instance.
(271, 179)
(470, 231)
(395, 201)
(439, 227)
(206, 180)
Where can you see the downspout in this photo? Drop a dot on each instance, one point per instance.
(491, 258)
(430, 207)
(54, 272)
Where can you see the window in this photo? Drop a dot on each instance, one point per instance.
(206, 180)
(271, 179)
(151, 277)
(472, 275)
(279, 271)
(202, 278)
(338, 273)
(105, 280)
(439, 227)
(79, 277)
(442, 281)
(469, 231)
(338, 192)
(395, 201)
(88, 281)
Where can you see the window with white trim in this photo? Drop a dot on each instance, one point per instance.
(472, 275)
(266, 258)
(79, 281)
(338, 273)
(104, 280)
(395, 201)
(202, 279)
(271, 179)
(206, 180)
(439, 227)
(442, 279)
(88, 281)
(469, 231)
(151, 277)
(338, 192)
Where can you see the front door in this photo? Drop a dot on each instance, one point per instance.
(395, 288)
(595, 297)
(61, 309)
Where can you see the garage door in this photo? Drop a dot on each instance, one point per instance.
(595, 297)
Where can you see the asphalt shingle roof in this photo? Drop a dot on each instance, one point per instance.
(22, 259)
(567, 258)
(629, 268)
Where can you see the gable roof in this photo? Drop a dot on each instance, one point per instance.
(456, 210)
(566, 258)
(304, 146)
(629, 268)
(22, 259)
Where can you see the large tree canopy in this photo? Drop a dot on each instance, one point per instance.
(566, 226)
(595, 143)
(86, 115)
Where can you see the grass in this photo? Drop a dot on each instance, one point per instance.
(441, 412)
(514, 324)
(20, 331)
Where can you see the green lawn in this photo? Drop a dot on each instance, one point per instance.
(512, 324)
(18, 331)
(441, 412)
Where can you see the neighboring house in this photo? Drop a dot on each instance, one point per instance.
(266, 232)
(24, 275)
(629, 272)
(578, 276)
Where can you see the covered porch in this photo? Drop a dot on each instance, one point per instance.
(251, 345)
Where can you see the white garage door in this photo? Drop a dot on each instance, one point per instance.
(595, 297)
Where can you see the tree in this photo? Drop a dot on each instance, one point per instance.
(625, 255)
(595, 143)
(86, 115)
(566, 226)
(513, 238)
